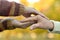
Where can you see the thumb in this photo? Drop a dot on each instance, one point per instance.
(38, 25)
(34, 26)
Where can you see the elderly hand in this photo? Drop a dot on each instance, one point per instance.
(28, 11)
(40, 22)
(10, 23)
(33, 22)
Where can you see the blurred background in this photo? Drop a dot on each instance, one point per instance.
(51, 8)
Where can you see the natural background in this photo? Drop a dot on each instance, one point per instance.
(51, 8)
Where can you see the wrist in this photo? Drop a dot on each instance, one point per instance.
(51, 26)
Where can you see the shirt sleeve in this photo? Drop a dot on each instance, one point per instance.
(56, 28)
(11, 8)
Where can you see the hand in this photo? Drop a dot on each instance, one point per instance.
(29, 11)
(10, 23)
(40, 22)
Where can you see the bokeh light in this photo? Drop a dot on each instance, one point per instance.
(18, 1)
(33, 1)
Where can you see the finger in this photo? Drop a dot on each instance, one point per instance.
(35, 12)
(30, 19)
(34, 26)
(41, 14)
(18, 24)
(27, 24)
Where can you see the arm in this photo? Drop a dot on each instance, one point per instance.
(16, 9)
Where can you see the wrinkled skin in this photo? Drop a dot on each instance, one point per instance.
(30, 11)
(34, 22)
(40, 22)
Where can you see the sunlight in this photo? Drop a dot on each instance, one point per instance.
(14, 1)
(33, 1)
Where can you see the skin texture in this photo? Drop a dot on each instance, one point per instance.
(9, 24)
(34, 22)
(40, 22)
